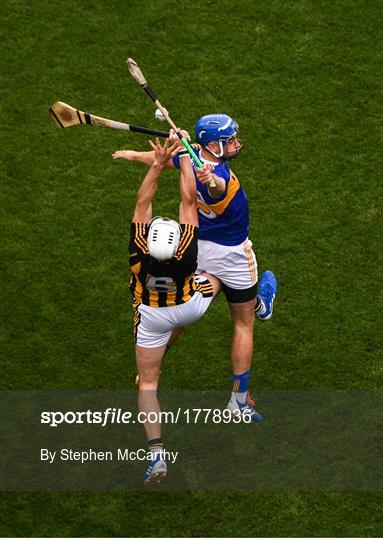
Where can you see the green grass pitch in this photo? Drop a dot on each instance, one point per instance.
(303, 78)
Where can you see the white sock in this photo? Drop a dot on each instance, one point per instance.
(240, 396)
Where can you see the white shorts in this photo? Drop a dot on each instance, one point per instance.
(154, 325)
(234, 266)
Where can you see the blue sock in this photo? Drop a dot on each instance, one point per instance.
(241, 385)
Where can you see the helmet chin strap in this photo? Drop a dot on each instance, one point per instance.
(220, 155)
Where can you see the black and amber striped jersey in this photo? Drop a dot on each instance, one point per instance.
(163, 284)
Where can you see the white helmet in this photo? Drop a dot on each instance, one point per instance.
(163, 238)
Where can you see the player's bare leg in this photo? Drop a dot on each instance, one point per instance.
(148, 367)
(240, 402)
(173, 338)
(242, 341)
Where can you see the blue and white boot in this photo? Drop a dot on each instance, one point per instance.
(267, 289)
(156, 470)
(244, 410)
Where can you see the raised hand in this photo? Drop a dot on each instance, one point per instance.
(162, 153)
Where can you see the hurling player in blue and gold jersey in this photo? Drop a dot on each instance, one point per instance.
(167, 293)
(224, 249)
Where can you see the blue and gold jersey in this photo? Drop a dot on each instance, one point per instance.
(223, 220)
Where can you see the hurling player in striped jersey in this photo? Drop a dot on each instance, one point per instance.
(167, 293)
(224, 249)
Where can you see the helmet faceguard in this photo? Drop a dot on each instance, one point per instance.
(228, 156)
(163, 238)
(219, 128)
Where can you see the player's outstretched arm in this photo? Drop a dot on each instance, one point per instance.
(147, 191)
(188, 191)
(146, 158)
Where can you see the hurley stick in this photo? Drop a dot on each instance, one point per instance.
(137, 74)
(66, 116)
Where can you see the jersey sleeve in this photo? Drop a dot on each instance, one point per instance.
(176, 159)
(185, 258)
(223, 171)
(138, 246)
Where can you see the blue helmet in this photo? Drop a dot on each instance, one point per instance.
(216, 128)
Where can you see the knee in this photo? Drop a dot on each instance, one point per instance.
(147, 386)
(148, 378)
